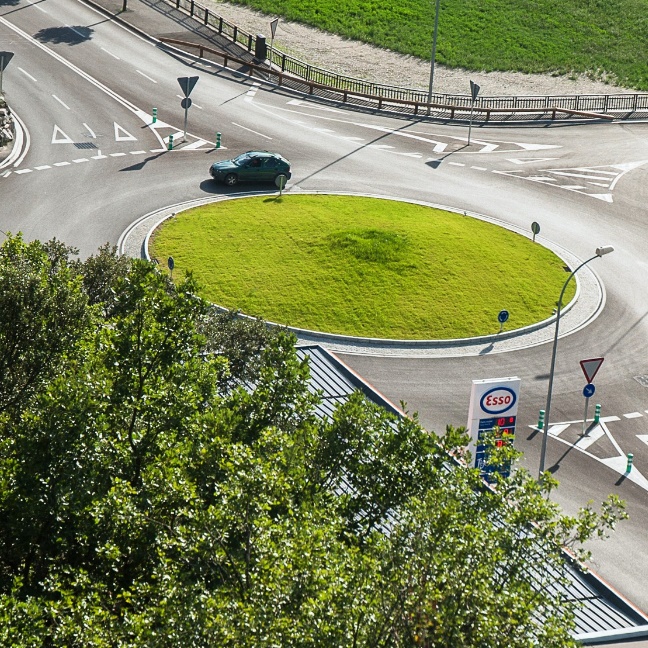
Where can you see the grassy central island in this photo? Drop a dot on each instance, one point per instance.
(362, 266)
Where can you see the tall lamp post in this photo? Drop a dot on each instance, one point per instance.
(434, 44)
(600, 251)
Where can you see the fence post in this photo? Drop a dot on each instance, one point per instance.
(206, 19)
(249, 42)
(220, 24)
(191, 8)
(235, 33)
(177, 4)
(283, 62)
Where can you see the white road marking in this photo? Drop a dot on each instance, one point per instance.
(643, 437)
(383, 147)
(609, 419)
(79, 160)
(122, 135)
(591, 437)
(99, 156)
(117, 154)
(537, 147)
(111, 54)
(299, 102)
(37, 5)
(58, 164)
(529, 160)
(478, 168)
(619, 464)
(555, 430)
(61, 102)
(92, 134)
(456, 164)
(42, 167)
(59, 137)
(77, 32)
(252, 131)
(579, 175)
(6, 174)
(23, 171)
(146, 76)
(197, 144)
(633, 415)
(28, 75)
(137, 152)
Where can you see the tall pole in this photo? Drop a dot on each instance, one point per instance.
(599, 253)
(433, 58)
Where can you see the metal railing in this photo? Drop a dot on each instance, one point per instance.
(623, 105)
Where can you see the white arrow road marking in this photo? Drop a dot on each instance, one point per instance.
(488, 148)
(555, 430)
(122, 135)
(59, 137)
(619, 464)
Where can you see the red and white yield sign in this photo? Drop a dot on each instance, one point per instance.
(590, 367)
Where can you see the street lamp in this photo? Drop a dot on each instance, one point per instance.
(434, 44)
(600, 251)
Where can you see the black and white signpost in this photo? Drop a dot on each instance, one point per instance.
(187, 84)
(273, 31)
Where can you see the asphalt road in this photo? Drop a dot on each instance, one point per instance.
(85, 88)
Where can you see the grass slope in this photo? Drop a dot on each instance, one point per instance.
(598, 37)
(362, 266)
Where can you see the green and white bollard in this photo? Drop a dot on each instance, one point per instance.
(154, 115)
(218, 140)
(630, 460)
(541, 420)
(170, 147)
(597, 413)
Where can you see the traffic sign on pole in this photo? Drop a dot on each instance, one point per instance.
(187, 84)
(5, 57)
(589, 390)
(590, 367)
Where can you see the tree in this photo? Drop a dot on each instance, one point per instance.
(167, 481)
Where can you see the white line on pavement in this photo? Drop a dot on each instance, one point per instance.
(28, 75)
(632, 415)
(79, 160)
(146, 76)
(111, 54)
(92, 134)
(61, 102)
(252, 131)
(62, 163)
(42, 167)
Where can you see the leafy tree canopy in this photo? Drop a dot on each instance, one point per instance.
(165, 481)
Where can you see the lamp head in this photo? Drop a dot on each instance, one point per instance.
(604, 249)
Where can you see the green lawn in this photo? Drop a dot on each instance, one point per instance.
(599, 37)
(362, 266)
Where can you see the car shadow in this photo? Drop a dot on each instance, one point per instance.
(217, 188)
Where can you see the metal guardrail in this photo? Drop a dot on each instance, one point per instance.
(623, 105)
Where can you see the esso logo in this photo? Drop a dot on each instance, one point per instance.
(498, 400)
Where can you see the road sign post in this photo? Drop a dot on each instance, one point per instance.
(187, 85)
(502, 317)
(474, 91)
(588, 391)
(273, 31)
(535, 228)
(5, 57)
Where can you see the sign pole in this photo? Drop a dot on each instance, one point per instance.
(474, 91)
(585, 414)
(1, 70)
(184, 135)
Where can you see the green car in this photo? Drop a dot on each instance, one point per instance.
(253, 166)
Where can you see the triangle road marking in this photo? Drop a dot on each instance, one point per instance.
(59, 137)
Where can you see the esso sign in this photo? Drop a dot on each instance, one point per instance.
(498, 400)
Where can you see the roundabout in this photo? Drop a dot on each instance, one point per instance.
(186, 230)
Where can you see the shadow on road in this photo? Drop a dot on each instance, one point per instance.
(211, 187)
(64, 35)
(140, 165)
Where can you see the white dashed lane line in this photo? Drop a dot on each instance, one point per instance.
(61, 102)
(43, 167)
(146, 76)
(29, 76)
(111, 54)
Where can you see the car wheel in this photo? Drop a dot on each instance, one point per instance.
(230, 179)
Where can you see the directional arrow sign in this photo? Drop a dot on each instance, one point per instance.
(187, 84)
(590, 367)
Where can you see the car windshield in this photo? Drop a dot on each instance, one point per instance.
(240, 160)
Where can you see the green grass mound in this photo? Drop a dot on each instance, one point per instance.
(362, 266)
